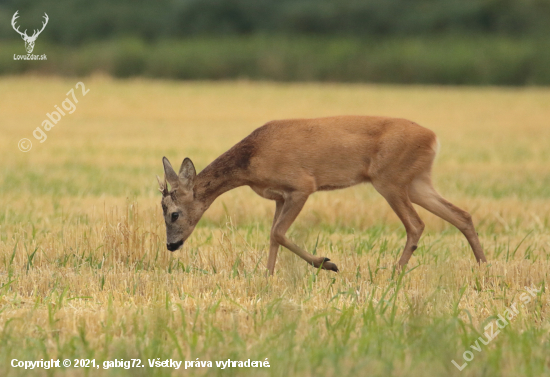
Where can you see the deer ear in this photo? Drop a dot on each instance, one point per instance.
(187, 174)
(169, 173)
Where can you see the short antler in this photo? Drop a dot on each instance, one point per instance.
(15, 17)
(162, 186)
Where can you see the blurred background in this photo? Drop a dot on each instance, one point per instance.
(473, 42)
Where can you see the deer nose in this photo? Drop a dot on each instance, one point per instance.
(174, 246)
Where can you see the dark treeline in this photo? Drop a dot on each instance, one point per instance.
(471, 42)
(78, 21)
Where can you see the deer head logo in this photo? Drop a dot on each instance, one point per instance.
(29, 41)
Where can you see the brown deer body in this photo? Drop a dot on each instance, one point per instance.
(288, 160)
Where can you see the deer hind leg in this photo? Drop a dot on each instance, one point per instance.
(399, 201)
(273, 245)
(292, 206)
(422, 193)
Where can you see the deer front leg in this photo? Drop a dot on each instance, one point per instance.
(292, 206)
(273, 245)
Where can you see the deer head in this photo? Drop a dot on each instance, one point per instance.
(29, 41)
(180, 208)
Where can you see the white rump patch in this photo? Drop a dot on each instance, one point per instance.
(436, 146)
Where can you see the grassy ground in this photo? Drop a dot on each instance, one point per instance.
(84, 273)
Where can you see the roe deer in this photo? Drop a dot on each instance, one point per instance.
(288, 160)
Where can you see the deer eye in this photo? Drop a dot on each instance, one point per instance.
(174, 216)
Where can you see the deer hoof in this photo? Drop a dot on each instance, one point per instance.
(328, 265)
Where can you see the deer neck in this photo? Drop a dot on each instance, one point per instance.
(218, 177)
